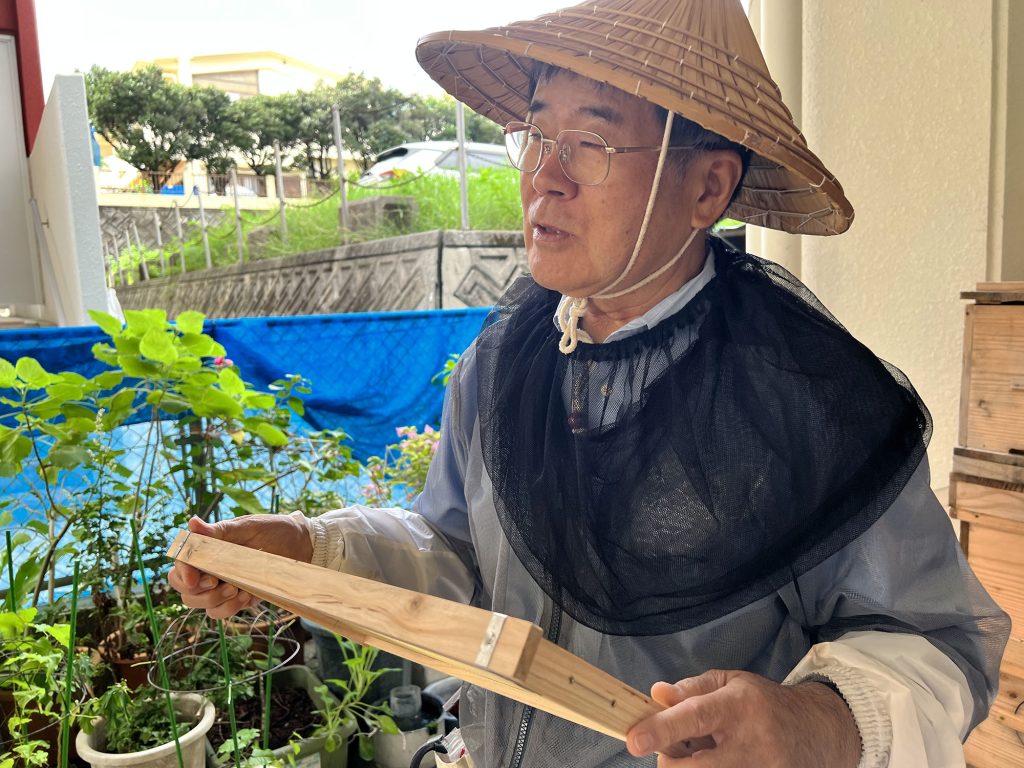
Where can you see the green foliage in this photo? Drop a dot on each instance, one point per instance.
(399, 475)
(230, 449)
(338, 712)
(33, 669)
(134, 721)
(153, 123)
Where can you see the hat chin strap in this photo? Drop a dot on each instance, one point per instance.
(570, 310)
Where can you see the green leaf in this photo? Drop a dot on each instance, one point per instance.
(387, 725)
(67, 456)
(38, 526)
(59, 632)
(140, 322)
(297, 405)
(366, 751)
(108, 379)
(230, 382)
(260, 400)
(79, 424)
(63, 391)
(104, 353)
(158, 345)
(198, 344)
(246, 500)
(190, 322)
(31, 372)
(7, 374)
(217, 403)
(271, 435)
(139, 369)
(109, 324)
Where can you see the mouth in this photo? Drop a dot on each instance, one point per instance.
(548, 233)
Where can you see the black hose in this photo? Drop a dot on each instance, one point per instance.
(434, 745)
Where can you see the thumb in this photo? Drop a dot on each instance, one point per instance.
(200, 526)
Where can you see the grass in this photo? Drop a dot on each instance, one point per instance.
(313, 226)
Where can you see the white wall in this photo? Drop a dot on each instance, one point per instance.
(65, 191)
(897, 101)
(19, 279)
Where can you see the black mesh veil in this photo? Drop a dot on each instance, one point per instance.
(662, 481)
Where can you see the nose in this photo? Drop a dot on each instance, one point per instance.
(550, 178)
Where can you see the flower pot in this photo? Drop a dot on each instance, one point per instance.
(302, 678)
(189, 705)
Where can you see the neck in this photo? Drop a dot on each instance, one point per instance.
(605, 316)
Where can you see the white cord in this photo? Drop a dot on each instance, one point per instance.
(570, 312)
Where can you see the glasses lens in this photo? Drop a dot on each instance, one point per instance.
(524, 144)
(583, 156)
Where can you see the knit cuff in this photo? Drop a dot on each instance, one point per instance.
(318, 537)
(868, 709)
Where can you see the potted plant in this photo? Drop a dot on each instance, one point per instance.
(122, 728)
(305, 717)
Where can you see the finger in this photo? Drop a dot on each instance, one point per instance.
(695, 717)
(211, 598)
(230, 607)
(200, 526)
(704, 683)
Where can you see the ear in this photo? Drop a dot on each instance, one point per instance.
(716, 174)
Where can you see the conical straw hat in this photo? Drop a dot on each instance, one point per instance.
(698, 58)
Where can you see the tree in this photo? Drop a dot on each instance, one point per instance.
(139, 113)
(254, 124)
(155, 124)
(373, 117)
(432, 118)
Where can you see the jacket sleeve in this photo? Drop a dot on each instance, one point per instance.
(427, 549)
(905, 631)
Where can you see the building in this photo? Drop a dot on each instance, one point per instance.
(241, 75)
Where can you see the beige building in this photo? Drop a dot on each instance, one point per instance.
(246, 74)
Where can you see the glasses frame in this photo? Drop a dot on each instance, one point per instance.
(549, 145)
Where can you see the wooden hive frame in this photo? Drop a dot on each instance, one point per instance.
(503, 654)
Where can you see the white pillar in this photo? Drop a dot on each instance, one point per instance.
(778, 25)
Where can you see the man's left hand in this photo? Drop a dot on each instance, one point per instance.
(752, 720)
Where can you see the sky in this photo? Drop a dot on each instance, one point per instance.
(375, 37)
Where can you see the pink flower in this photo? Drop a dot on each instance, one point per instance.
(428, 430)
(223, 362)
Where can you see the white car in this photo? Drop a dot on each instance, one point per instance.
(421, 157)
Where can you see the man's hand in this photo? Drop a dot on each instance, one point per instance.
(752, 720)
(285, 535)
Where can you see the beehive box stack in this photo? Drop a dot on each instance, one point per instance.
(987, 495)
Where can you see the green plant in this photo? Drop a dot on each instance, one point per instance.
(399, 475)
(133, 721)
(34, 673)
(350, 701)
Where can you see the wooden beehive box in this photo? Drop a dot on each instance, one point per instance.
(992, 391)
(987, 496)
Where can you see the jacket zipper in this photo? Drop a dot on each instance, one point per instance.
(524, 723)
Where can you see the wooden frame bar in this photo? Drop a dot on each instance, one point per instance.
(503, 654)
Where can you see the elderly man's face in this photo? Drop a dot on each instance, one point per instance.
(579, 238)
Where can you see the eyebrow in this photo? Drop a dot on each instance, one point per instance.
(606, 114)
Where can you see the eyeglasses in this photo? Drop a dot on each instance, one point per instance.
(585, 157)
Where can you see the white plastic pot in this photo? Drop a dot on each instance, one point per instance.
(90, 746)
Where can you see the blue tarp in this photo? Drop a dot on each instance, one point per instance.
(370, 372)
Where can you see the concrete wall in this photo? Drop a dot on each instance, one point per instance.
(64, 190)
(429, 270)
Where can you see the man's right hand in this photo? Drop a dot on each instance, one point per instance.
(285, 535)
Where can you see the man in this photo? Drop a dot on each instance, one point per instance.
(669, 455)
